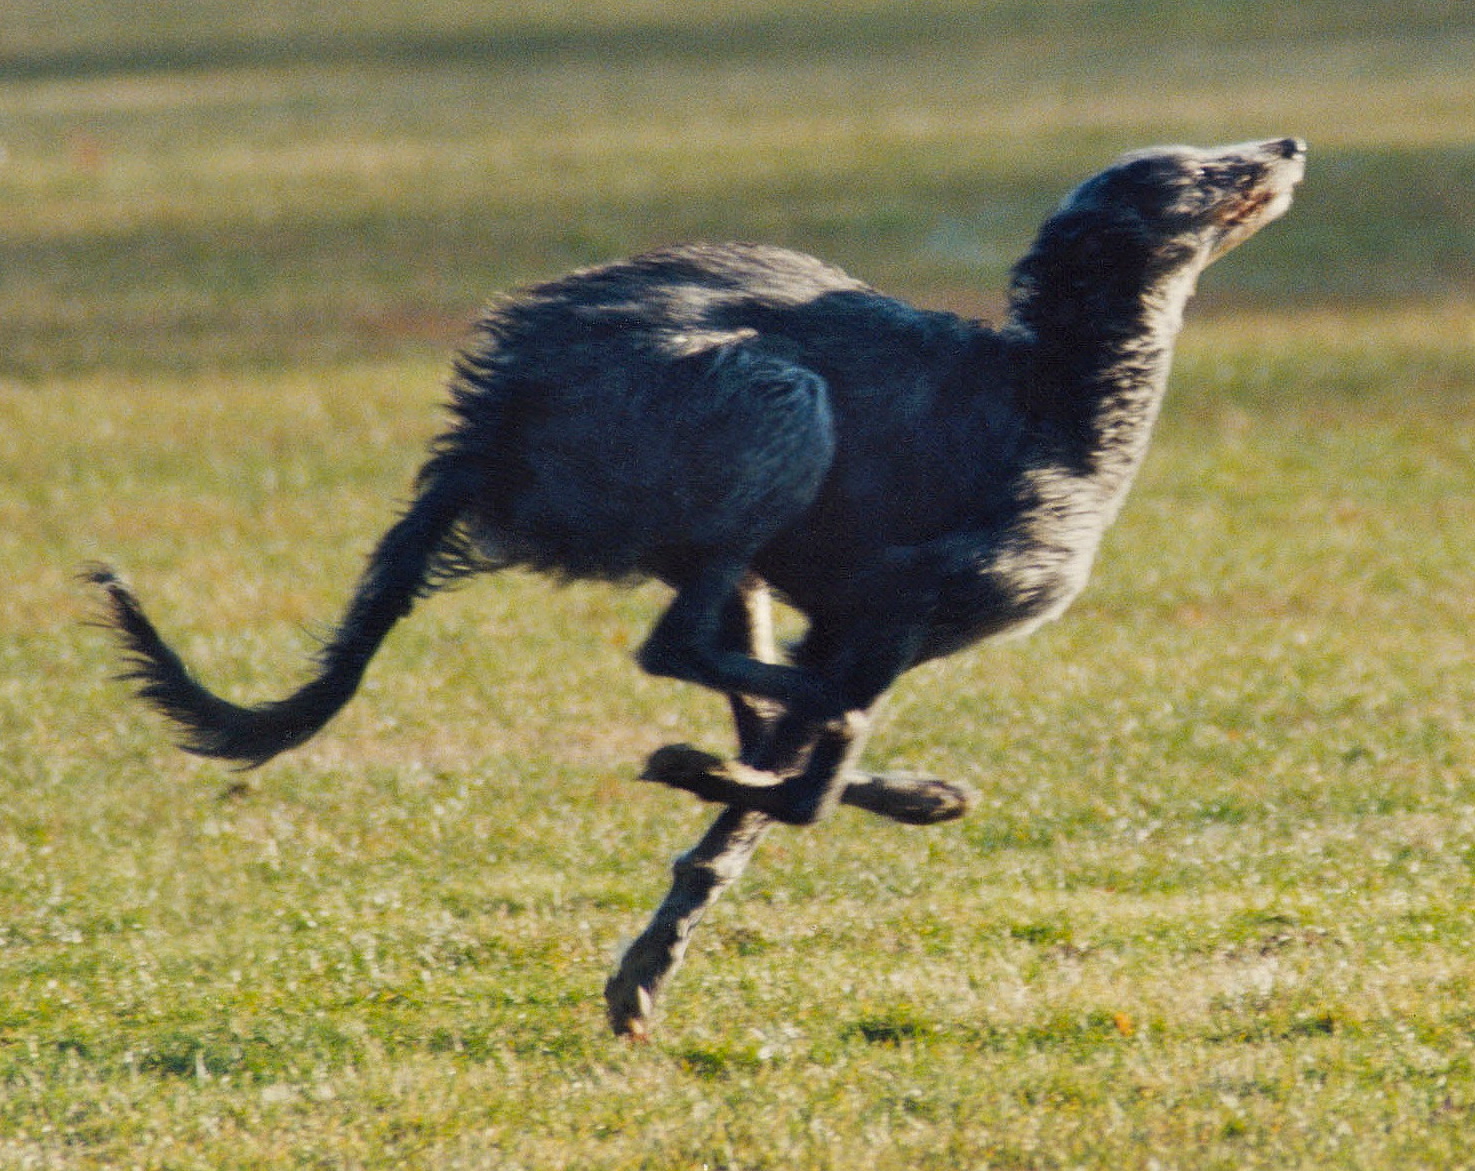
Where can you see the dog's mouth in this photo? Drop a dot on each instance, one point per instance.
(1251, 209)
(1268, 200)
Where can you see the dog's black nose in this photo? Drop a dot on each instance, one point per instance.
(1291, 148)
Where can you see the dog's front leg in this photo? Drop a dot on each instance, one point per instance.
(699, 877)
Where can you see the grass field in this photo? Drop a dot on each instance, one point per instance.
(1216, 907)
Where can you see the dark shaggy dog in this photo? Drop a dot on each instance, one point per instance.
(715, 416)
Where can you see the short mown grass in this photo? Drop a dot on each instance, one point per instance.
(1214, 908)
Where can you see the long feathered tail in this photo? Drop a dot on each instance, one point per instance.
(421, 551)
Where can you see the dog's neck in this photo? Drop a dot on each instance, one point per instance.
(1092, 349)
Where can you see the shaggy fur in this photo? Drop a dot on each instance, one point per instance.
(911, 481)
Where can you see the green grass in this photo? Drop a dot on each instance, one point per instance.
(317, 197)
(1215, 906)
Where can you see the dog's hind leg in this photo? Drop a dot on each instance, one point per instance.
(751, 439)
(700, 875)
(747, 624)
(692, 641)
(910, 798)
(804, 766)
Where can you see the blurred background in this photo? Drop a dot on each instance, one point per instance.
(193, 185)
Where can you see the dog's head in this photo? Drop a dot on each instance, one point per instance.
(1185, 200)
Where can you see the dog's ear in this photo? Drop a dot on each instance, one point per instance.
(1087, 266)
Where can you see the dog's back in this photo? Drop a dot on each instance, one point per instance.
(719, 397)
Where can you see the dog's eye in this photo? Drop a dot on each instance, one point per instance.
(1229, 178)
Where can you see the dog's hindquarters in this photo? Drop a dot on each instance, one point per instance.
(647, 454)
(753, 442)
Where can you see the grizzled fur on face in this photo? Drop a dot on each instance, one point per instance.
(1109, 251)
(711, 415)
